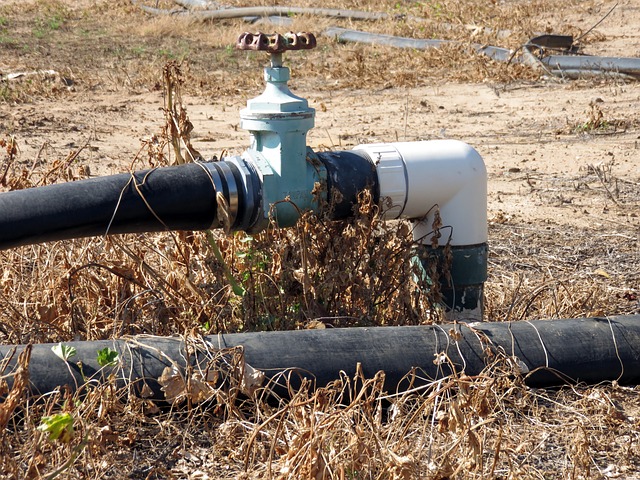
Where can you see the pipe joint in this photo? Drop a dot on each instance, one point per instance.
(245, 207)
(440, 185)
(462, 273)
(418, 178)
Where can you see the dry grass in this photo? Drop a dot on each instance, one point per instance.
(130, 54)
(345, 274)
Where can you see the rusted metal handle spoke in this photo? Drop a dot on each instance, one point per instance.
(276, 43)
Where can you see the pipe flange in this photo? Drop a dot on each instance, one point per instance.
(276, 43)
(249, 186)
(226, 187)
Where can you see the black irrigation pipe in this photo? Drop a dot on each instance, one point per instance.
(348, 35)
(570, 66)
(565, 64)
(547, 352)
(146, 201)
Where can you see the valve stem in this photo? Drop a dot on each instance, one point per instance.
(276, 60)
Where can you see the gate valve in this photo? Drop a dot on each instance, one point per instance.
(278, 122)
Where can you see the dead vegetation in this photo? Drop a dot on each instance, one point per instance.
(62, 31)
(315, 275)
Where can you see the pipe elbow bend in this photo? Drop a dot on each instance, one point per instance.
(417, 177)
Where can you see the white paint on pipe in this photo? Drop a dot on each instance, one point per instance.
(418, 177)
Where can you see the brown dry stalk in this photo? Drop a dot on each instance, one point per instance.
(19, 389)
(178, 126)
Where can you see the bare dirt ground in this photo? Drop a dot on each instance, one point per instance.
(563, 161)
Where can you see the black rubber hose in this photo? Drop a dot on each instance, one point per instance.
(548, 353)
(174, 198)
(348, 174)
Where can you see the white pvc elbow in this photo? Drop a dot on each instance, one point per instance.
(416, 178)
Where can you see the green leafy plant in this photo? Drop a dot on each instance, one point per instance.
(107, 357)
(64, 352)
(59, 427)
(254, 259)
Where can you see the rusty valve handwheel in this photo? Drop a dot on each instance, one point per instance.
(276, 43)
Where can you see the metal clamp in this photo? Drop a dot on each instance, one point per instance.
(276, 43)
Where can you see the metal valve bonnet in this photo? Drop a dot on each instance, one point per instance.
(278, 122)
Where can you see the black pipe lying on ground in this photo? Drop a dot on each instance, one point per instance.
(547, 353)
(570, 65)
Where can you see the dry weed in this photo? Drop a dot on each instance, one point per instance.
(316, 274)
(319, 273)
(489, 426)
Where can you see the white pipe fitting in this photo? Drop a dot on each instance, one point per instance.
(416, 178)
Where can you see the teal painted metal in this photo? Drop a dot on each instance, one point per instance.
(278, 122)
(463, 272)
